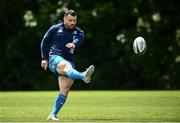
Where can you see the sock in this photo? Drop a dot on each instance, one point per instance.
(58, 104)
(74, 74)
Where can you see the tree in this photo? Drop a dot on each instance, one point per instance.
(110, 28)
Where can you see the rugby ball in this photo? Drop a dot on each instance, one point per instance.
(139, 45)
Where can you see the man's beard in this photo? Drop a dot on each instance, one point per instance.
(71, 26)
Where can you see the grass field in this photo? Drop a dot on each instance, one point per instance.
(92, 106)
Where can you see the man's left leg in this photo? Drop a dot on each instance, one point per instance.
(65, 86)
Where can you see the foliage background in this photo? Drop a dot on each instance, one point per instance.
(110, 28)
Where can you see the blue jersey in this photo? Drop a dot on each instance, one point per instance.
(56, 38)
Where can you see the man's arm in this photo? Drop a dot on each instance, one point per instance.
(79, 39)
(45, 43)
(44, 64)
(44, 47)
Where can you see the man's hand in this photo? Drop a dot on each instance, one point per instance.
(70, 45)
(44, 64)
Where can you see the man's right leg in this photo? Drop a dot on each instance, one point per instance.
(64, 86)
(58, 65)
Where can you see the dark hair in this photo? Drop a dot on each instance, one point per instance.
(70, 12)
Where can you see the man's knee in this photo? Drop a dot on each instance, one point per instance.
(65, 84)
(63, 67)
(65, 89)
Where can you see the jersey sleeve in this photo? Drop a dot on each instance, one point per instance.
(79, 38)
(46, 42)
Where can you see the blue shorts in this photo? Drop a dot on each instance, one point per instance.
(54, 61)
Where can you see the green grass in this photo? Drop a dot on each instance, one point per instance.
(92, 106)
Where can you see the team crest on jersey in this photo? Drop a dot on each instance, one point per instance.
(75, 32)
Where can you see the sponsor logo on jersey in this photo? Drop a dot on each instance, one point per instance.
(60, 30)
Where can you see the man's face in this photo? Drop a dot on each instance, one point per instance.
(70, 21)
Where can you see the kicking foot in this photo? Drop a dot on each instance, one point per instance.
(88, 73)
(52, 117)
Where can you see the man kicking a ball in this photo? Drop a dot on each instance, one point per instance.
(62, 39)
